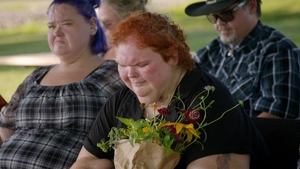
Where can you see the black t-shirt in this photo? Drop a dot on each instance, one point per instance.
(233, 133)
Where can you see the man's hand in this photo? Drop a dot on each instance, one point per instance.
(268, 115)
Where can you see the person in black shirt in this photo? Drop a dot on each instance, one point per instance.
(155, 63)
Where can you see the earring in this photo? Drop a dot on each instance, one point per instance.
(94, 31)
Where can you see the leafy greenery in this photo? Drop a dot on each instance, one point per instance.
(176, 136)
(27, 38)
(188, 128)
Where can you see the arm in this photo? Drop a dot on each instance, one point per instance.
(5, 133)
(90, 156)
(268, 115)
(86, 160)
(221, 161)
(8, 112)
(279, 96)
(6, 121)
(2, 102)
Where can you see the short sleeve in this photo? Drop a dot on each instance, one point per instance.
(232, 133)
(8, 113)
(104, 122)
(279, 82)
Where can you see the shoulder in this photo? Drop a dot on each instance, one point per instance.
(199, 79)
(205, 56)
(266, 44)
(124, 95)
(29, 81)
(37, 73)
(212, 46)
(109, 70)
(41, 70)
(221, 94)
(108, 66)
(106, 75)
(123, 103)
(273, 40)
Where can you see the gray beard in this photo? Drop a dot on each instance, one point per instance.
(230, 40)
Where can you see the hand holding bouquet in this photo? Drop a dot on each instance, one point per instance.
(157, 143)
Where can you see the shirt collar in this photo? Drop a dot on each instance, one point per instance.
(253, 37)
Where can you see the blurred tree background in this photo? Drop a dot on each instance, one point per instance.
(23, 29)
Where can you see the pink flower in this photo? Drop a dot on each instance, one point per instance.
(192, 116)
(164, 111)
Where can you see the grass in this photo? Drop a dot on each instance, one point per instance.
(200, 32)
(32, 36)
(10, 78)
(28, 38)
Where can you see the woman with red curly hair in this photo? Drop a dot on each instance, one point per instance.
(154, 62)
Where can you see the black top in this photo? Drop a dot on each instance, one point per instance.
(234, 133)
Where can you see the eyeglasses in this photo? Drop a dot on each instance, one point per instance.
(225, 16)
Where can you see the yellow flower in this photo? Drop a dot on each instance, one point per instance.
(146, 129)
(185, 131)
(189, 129)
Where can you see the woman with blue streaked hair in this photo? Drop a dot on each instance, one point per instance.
(45, 122)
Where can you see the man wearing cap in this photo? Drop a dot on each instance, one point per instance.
(257, 63)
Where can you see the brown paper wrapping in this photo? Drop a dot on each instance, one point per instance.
(145, 155)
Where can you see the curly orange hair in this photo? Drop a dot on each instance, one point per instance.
(157, 32)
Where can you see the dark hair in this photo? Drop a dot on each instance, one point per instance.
(86, 9)
(258, 8)
(157, 32)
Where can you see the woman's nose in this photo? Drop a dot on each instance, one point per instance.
(58, 31)
(132, 72)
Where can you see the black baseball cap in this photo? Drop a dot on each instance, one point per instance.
(209, 6)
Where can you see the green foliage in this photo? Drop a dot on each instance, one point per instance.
(188, 128)
(27, 38)
(10, 78)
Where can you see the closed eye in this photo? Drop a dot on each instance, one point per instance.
(51, 26)
(142, 64)
(67, 23)
(121, 66)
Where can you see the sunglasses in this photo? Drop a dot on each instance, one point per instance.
(225, 16)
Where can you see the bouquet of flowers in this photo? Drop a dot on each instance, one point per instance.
(157, 139)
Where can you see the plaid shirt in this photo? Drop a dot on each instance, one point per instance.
(51, 122)
(263, 71)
